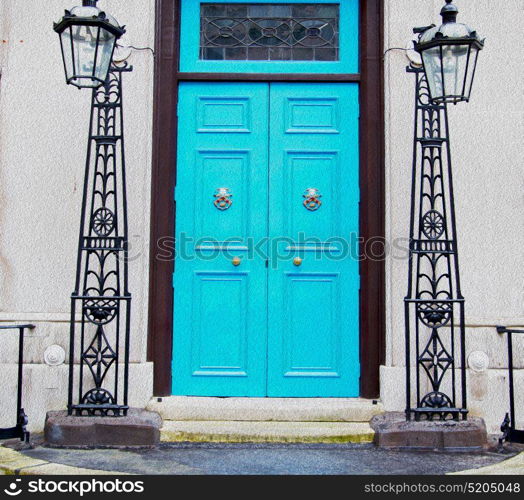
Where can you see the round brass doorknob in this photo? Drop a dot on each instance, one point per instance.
(236, 261)
(297, 261)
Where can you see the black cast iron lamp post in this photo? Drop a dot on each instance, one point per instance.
(449, 56)
(100, 338)
(435, 339)
(87, 38)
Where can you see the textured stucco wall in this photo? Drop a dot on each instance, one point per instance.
(43, 137)
(487, 150)
(43, 126)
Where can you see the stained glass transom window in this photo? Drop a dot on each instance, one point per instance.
(269, 32)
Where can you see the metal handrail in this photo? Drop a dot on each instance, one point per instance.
(508, 427)
(20, 429)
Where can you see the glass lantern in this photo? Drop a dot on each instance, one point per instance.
(449, 55)
(87, 39)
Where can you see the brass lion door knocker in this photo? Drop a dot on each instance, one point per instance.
(312, 199)
(223, 198)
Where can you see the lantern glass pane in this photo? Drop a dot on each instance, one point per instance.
(87, 54)
(432, 66)
(454, 63)
(471, 71)
(67, 52)
(105, 51)
(84, 47)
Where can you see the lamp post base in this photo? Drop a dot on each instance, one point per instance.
(393, 431)
(139, 429)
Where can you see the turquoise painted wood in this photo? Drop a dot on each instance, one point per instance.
(349, 39)
(281, 330)
(220, 315)
(313, 343)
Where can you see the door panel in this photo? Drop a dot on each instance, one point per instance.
(302, 354)
(288, 155)
(313, 308)
(220, 326)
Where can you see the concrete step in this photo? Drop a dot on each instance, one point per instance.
(266, 432)
(184, 408)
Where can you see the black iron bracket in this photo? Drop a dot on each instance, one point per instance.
(421, 29)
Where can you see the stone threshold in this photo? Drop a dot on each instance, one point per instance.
(187, 408)
(265, 432)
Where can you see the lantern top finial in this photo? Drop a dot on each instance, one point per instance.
(450, 31)
(449, 12)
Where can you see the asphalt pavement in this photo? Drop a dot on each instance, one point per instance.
(238, 459)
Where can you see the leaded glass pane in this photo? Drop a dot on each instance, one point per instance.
(269, 32)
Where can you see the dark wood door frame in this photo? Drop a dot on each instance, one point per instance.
(372, 208)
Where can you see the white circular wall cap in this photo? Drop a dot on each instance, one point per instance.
(414, 57)
(478, 361)
(54, 355)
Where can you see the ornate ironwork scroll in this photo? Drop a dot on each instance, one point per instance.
(434, 305)
(99, 342)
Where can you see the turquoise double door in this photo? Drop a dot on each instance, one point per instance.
(266, 282)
